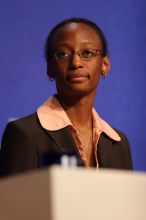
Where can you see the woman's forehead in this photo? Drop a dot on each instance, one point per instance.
(77, 32)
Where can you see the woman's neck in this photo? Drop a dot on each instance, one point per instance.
(79, 111)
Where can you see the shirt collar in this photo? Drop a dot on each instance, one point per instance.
(53, 117)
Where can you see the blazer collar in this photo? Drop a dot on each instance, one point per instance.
(52, 117)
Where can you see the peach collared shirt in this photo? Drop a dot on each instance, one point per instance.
(53, 117)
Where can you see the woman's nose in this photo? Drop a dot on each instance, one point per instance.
(76, 61)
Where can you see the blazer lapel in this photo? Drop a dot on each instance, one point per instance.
(105, 150)
(65, 143)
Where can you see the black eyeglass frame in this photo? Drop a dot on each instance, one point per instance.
(70, 53)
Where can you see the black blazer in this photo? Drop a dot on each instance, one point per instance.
(26, 143)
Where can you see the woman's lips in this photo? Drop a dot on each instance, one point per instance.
(77, 78)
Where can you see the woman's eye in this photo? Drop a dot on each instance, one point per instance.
(62, 54)
(87, 53)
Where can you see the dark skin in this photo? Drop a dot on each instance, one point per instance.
(77, 79)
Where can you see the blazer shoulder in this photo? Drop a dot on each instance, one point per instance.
(29, 119)
(29, 124)
(123, 137)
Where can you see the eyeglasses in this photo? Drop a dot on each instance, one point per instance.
(84, 54)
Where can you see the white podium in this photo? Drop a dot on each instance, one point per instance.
(57, 193)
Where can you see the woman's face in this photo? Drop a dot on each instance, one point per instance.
(75, 75)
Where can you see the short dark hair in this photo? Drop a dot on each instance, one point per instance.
(74, 20)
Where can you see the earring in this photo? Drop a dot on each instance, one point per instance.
(51, 78)
(103, 74)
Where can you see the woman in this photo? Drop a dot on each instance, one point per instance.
(77, 57)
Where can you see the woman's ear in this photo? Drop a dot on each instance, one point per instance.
(105, 66)
(50, 72)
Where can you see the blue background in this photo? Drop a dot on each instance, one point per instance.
(121, 98)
